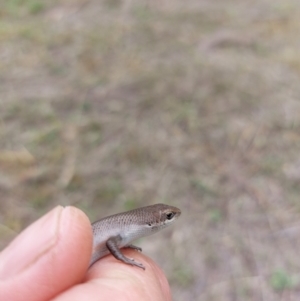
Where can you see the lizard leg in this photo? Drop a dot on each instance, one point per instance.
(134, 247)
(112, 246)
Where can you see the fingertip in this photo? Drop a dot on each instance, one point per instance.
(49, 256)
(76, 233)
(150, 284)
(161, 281)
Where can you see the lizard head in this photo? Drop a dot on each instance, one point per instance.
(161, 216)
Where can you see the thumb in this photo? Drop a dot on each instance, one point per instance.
(48, 257)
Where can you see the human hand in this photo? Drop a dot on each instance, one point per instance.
(49, 260)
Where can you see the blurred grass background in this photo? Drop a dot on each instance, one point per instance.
(110, 105)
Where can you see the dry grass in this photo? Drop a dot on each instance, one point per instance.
(112, 105)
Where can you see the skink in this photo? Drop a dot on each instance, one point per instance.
(114, 232)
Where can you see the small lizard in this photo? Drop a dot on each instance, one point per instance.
(114, 232)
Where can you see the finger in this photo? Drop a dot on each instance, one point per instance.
(48, 257)
(110, 279)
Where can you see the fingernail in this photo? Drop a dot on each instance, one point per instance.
(31, 245)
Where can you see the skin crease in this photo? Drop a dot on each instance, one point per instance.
(49, 260)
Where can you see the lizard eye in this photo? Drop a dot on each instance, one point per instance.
(170, 215)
